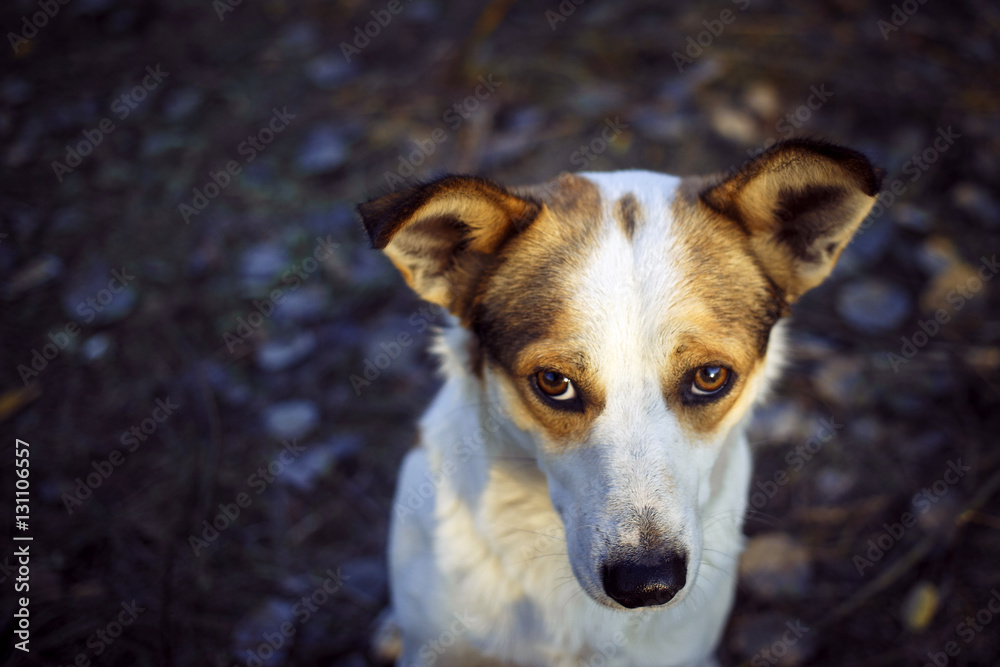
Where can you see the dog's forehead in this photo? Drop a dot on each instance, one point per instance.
(661, 263)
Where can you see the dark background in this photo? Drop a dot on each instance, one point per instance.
(183, 329)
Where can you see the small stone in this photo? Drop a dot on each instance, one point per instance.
(181, 103)
(920, 605)
(867, 248)
(328, 71)
(597, 100)
(158, 143)
(323, 151)
(266, 619)
(873, 306)
(277, 355)
(977, 202)
(307, 304)
(318, 460)
(97, 295)
(763, 98)
(780, 421)
(912, 217)
(941, 291)
(35, 273)
(937, 254)
(735, 125)
(834, 485)
(261, 264)
(841, 379)
(775, 566)
(68, 220)
(299, 39)
(97, 348)
(291, 419)
(660, 125)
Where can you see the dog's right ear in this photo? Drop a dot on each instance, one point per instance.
(442, 235)
(799, 202)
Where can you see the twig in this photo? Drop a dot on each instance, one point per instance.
(912, 558)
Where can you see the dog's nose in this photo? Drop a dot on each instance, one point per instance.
(633, 584)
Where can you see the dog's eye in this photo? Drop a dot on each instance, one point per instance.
(555, 385)
(709, 380)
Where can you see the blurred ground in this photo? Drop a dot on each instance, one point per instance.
(188, 289)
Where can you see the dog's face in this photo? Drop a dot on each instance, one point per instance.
(624, 321)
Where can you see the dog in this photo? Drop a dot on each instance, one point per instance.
(577, 493)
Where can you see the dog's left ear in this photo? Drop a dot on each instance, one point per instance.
(442, 235)
(799, 202)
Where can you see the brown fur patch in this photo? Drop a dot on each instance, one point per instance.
(724, 313)
(627, 212)
(441, 235)
(520, 313)
(510, 310)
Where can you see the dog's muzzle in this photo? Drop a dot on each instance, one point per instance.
(645, 582)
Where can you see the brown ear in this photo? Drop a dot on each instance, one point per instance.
(442, 235)
(799, 202)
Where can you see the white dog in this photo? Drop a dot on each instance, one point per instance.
(577, 493)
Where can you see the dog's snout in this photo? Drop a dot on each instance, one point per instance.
(632, 583)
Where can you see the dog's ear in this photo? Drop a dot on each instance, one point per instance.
(442, 235)
(800, 202)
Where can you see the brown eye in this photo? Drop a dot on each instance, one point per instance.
(555, 385)
(709, 380)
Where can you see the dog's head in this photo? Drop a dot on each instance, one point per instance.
(624, 321)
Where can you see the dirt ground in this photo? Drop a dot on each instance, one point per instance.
(186, 293)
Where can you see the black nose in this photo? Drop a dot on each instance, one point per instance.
(633, 584)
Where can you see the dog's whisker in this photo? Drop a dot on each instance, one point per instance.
(728, 555)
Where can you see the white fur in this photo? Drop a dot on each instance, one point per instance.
(482, 564)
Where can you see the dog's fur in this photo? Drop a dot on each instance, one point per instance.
(515, 511)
